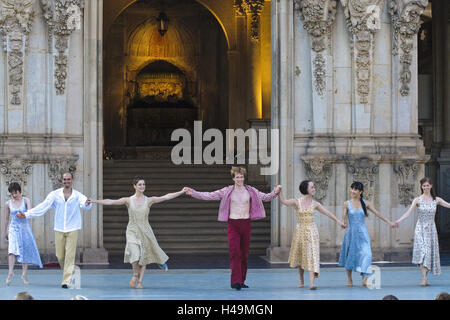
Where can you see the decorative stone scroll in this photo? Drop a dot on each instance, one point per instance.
(253, 9)
(365, 171)
(62, 17)
(363, 20)
(58, 167)
(406, 172)
(405, 17)
(16, 17)
(16, 170)
(318, 17)
(319, 171)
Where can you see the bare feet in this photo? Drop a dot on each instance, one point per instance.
(133, 280)
(25, 279)
(139, 286)
(300, 284)
(8, 280)
(364, 282)
(424, 283)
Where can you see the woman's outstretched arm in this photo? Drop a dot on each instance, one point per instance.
(165, 197)
(324, 211)
(110, 202)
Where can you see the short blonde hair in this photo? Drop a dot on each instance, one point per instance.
(236, 170)
(23, 296)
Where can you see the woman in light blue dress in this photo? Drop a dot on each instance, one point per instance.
(356, 254)
(21, 242)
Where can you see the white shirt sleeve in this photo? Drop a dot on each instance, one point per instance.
(82, 200)
(42, 207)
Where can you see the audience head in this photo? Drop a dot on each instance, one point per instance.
(23, 296)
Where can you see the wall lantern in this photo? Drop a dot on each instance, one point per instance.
(163, 22)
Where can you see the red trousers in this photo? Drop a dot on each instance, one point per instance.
(238, 231)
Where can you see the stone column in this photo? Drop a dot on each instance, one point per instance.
(282, 14)
(93, 250)
(253, 9)
(441, 12)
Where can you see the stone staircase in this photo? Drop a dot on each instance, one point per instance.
(181, 225)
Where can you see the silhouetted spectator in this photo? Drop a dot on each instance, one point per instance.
(23, 296)
(443, 296)
(390, 297)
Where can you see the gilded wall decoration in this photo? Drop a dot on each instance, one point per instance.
(405, 17)
(253, 9)
(318, 17)
(16, 17)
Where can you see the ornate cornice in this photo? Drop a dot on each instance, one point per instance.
(363, 20)
(406, 172)
(405, 17)
(62, 17)
(318, 17)
(59, 166)
(16, 17)
(16, 170)
(365, 171)
(319, 171)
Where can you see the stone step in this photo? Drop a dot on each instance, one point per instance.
(181, 225)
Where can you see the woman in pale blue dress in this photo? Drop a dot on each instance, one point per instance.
(21, 242)
(356, 254)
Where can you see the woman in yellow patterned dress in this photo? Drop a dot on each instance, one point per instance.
(305, 249)
(141, 247)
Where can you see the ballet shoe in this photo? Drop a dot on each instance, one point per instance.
(300, 284)
(133, 281)
(424, 284)
(139, 286)
(313, 288)
(350, 284)
(25, 280)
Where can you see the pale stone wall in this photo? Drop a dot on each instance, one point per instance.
(51, 130)
(354, 118)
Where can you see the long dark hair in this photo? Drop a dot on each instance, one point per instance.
(359, 186)
(426, 179)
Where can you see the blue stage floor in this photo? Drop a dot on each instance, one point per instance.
(213, 284)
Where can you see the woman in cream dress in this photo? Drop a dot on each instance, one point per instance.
(141, 247)
(305, 250)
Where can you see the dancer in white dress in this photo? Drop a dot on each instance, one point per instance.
(426, 245)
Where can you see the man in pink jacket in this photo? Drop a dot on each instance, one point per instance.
(239, 204)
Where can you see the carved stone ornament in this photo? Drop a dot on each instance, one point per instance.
(319, 171)
(405, 17)
(253, 8)
(406, 172)
(16, 17)
(16, 170)
(62, 17)
(365, 171)
(239, 10)
(318, 17)
(60, 166)
(363, 20)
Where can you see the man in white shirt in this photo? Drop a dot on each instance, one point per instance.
(67, 203)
